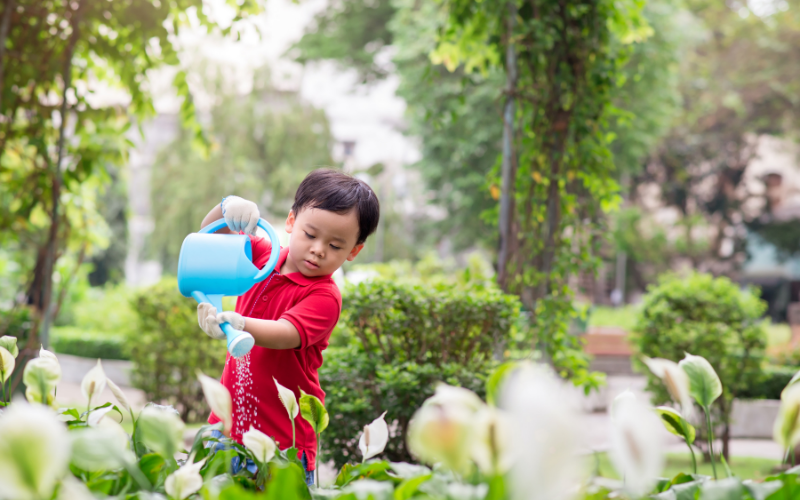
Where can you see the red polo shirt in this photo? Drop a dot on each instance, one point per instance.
(313, 306)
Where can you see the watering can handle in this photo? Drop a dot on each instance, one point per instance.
(273, 239)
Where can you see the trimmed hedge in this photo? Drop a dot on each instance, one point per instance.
(771, 383)
(88, 344)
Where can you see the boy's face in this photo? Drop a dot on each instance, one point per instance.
(320, 241)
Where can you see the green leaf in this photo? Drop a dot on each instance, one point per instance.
(760, 491)
(286, 481)
(495, 381)
(794, 379)
(725, 489)
(676, 424)
(704, 384)
(409, 487)
(312, 409)
(152, 466)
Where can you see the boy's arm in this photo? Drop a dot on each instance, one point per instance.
(280, 334)
(214, 215)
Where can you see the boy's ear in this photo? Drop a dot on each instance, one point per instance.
(355, 251)
(289, 222)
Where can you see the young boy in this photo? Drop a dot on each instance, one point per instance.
(291, 314)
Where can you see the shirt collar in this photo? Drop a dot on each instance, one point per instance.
(298, 277)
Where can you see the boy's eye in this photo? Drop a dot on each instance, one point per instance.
(335, 247)
(310, 236)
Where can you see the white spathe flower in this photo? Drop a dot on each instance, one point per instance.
(637, 448)
(117, 392)
(441, 430)
(103, 447)
(10, 344)
(676, 380)
(93, 383)
(6, 364)
(219, 399)
(41, 376)
(97, 415)
(185, 481)
(621, 398)
(492, 441)
(369, 489)
(547, 435)
(374, 438)
(451, 395)
(288, 399)
(261, 445)
(44, 353)
(161, 430)
(34, 451)
(786, 430)
(73, 489)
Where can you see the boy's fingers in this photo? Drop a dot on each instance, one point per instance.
(251, 224)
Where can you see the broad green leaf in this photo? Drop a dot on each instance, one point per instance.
(704, 384)
(409, 487)
(286, 481)
(760, 491)
(725, 489)
(495, 381)
(676, 424)
(152, 465)
(314, 412)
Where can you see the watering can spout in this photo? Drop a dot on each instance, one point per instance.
(211, 266)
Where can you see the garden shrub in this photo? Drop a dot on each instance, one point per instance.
(168, 348)
(709, 317)
(403, 339)
(771, 384)
(88, 344)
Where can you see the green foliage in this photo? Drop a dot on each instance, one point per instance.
(87, 344)
(167, 349)
(263, 144)
(770, 385)
(404, 339)
(708, 317)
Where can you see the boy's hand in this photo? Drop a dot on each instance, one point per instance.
(209, 320)
(240, 214)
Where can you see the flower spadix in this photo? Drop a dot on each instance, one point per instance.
(636, 446)
(6, 364)
(219, 400)
(161, 430)
(675, 379)
(441, 429)
(261, 445)
(546, 434)
(374, 438)
(185, 481)
(492, 441)
(34, 451)
(41, 376)
(117, 392)
(786, 430)
(93, 383)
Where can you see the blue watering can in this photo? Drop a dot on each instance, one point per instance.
(211, 266)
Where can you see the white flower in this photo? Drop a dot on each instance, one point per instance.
(288, 399)
(41, 375)
(621, 398)
(34, 452)
(161, 430)
(786, 430)
(637, 448)
(44, 353)
(9, 343)
(93, 383)
(96, 416)
(219, 399)
(676, 380)
(441, 430)
(117, 392)
(262, 446)
(185, 481)
(369, 489)
(547, 435)
(492, 440)
(73, 489)
(103, 447)
(6, 364)
(374, 438)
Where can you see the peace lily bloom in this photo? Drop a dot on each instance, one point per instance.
(636, 446)
(102, 447)
(546, 434)
(261, 445)
(621, 399)
(41, 375)
(185, 481)
(676, 380)
(93, 383)
(44, 353)
(219, 399)
(161, 430)
(289, 401)
(9, 343)
(441, 430)
(73, 489)
(6, 364)
(492, 440)
(374, 438)
(34, 452)
(117, 392)
(787, 426)
(97, 415)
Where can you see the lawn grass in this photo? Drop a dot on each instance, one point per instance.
(742, 467)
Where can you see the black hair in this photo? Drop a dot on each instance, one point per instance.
(338, 192)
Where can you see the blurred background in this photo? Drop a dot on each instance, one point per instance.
(567, 179)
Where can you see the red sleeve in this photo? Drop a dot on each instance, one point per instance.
(314, 317)
(261, 248)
